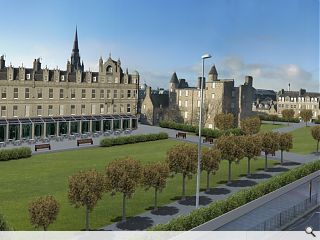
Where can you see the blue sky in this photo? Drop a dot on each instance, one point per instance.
(275, 41)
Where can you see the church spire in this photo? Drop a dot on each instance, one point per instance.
(75, 42)
(75, 56)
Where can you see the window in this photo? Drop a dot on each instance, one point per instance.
(28, 76)
(179, 103)
(101, 108)
(73, 110)
(210, 125)
(73, 93)
(116, 80)
(39, 110)
(212, 95)
(94, 79)
(61, 110)
(122, 93)
(39, 93)
(15, 93)
(144, 106)
(199, 94)
(15, 111)
(83, 94)
(180, 93)
(50, 93)
(128, 108)
(134, 93)
(3, 93)
(101, 93)
(187, 93)
(93, 94)
(213, 85)
(109, 69)
(129, 94)
(185, 114)
(3, 111)
(27, 93)
(83, 109)
(198, 103)
(93, 109)
(121, 108)
(108, 93)
(186, 103)
(50, 110)
(27, 110)
(61, 93)
(62, 77)
(115, 93)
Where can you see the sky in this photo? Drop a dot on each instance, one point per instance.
(275, 41)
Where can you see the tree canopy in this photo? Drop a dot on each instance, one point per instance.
(251, 125)
(224, 121)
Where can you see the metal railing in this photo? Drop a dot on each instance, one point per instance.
(276, 222)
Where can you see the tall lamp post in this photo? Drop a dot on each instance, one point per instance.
(205, 56)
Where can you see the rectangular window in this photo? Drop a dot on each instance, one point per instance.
(61, 110)
(187, 93)
(213, 85)
(62, 78)
(3, 111)
(73, 93)
(179, 103)
(39, 110)
(199, 94)
(180, 93)
(83, 93)
(198, 103)
(108, 93)
(61, 93)
(115, 93)
(122, 94)
(15, 93)
(39, 93)
(186, 103)
(185, 114)
(128, 108)
(93, 94)
(3, 93)
(15, 111)
(93, 109)
(50, 110)
(28, 76)
(27, 93)
(101, 108)
(50, 93)
(27, 110)
(73, 110)
(83, 109)
(129, 94)
(134, 93)
(94, 79)
(212, 95)
(101, 93)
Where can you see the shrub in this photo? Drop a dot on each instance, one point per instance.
(216, 209)
(178, 126)
(277, 118)
(4, 226)
(15, 153)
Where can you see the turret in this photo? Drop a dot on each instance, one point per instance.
(213, 74)
(2, 62)
(174, 82)
(248, 80)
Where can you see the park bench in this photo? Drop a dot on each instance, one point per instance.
(83, 141)
(208, 139)
(181, 134)
(42, 146)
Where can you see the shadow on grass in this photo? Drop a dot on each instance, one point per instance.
(191, 201)
(218, 191)
(242, 183)
(136, 223)
(165, 210)
(277, 169)
(291, 164)
(257, 176)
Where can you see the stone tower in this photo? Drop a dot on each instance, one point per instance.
(213, 74)
(173, 85)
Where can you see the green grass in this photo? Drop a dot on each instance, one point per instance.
(266, 127)
(303, 142)
(25, 179)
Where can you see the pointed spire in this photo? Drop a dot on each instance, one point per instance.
(213, 71)
(174, 78)
(75, 43)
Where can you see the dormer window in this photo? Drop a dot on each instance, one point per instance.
(62, 77)
(28, 76)
(109, 69)
(94, 79)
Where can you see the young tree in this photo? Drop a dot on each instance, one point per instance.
(270, 144)
(285, 143)
(154, 175)
(224, 121)
(182, 158)
(273, 117)
(251, 146)
(251, 125)
(124, 176)
(315, 131)
(287, 114)
(211, 158)
(306, 115)
(43, 211)
(85, 190)
(231, 150)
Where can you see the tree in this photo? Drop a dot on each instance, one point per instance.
(287, 114)
(251, 146)
(182, 158)
(285, 143)
(124, 176)
(43, 211)
(273, 117)
(231, 150)
(251, 125)
(224, 121)
(306, 115)
(270, 144)
(85, 190)
(315, 132)
(211, 158)
(154, 175)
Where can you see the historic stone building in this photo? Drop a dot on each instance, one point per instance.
(40, 102)
(298, 100)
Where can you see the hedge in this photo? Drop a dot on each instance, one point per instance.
(216, 209)
(276, 118)
(15, 153)
(108, 142)
(178, 126)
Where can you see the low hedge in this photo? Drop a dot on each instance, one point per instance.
(15, 153)
(178, 126)
(218, 208)
(108, 142)
(276, 118)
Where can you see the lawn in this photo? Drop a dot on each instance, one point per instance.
(266, 127)
(303, 142)
(25, 179)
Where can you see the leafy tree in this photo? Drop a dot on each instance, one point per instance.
(224, 121)
(85, 190)
(251, 125)
(251, 146)
(270, 144)
(124, 176)
(306, 115)
(211, 158)
(315, 131)
(43, 211)
(4, 226)
(231, 150)
(285, 143)
(273, 117)
(183, 158)
(154, 175)
(287, 114)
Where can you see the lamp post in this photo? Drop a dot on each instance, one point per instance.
(205, 56)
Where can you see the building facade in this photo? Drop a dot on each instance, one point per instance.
(298, 100)
(38, 102)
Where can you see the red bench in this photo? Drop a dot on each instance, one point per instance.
(42, 146)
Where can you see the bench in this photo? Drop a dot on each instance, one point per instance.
(42, 146)
(181, 134)
(83, 141)
(208, 139)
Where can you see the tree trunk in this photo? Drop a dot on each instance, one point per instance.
(318, 146)
(87, 219)
(229, 172)
(44, 228)
(155, 199)
(306, 124)
(183, 197)
(124, 208)
(281, 157)
(208, 181)
(265, 161)
(249, 172)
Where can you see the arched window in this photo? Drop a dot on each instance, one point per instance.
(109, 69)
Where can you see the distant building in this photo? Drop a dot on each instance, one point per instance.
(265, 101)
(298, 100)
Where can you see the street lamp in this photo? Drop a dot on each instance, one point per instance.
(205, 56)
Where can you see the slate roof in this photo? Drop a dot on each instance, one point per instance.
(174, 78)
(213, 70)
(160, 99)
(297, 94)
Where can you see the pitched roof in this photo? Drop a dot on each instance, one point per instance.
(297, 94)
(174, 78)
(160, 99)
(213, 70)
